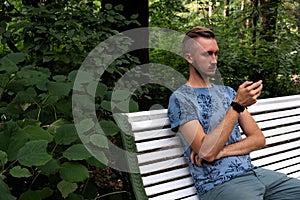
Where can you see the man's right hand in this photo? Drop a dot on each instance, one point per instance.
(248, 92)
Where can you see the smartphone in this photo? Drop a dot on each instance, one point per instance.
(259, 75)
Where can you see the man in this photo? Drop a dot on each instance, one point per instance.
(207, 117)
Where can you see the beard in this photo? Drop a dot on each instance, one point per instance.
(201, 73)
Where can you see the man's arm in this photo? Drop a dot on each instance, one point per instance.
(254, 138)
(211, 146)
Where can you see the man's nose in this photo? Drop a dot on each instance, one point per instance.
(214, 59)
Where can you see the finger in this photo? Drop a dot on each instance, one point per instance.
(198, 161)
(246, 84)
(255, 85)
(192, 157)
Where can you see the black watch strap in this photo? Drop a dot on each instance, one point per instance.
(237, 107)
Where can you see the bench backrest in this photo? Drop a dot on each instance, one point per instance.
(163, 170)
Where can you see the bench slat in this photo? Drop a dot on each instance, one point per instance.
(282, 138)
(278, 122)
(276, 158)
(156, 144)
(288, 170)
(172, 163)
(158, 155)
(295, 175)
(276, 103)
(278, 114)
(153, 134)
(172, 185)
(165, 176)
(176, 194)
(275, 149)
(146, 115)
(150, 124)
(283, 164)
(281, 130)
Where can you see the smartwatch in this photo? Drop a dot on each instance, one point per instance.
(237, 107)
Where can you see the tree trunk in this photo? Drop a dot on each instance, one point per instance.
(268, 18)
(132, 7)
(255, 17)
(226, 10)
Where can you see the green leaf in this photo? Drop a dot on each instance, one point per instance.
(37, 133)
(66, 188)
(8, 65)
(19, 172)
(58, 88)
(37, 194)
(66, 134)
(56, 124)
(17, 57)
(73, 172)
(12, 139)
(108, 6)
(106, 105)
(76, 152)
(133, 106)
(101, 90)
(122, 94)
(3, 158)
(99, 140)
(109, 127)
(85, 125)
(5, 192)
(59, 78)
(34, 153)
(50, 167)
(96, 163)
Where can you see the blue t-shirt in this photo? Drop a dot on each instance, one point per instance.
(209, 106)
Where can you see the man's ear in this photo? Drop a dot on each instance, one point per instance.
(188, 57)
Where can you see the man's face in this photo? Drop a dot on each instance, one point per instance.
(204, 56)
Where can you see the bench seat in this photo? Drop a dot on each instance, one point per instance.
(163, 172)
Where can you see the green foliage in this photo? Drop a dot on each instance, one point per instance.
(43, 45)
(242, 49)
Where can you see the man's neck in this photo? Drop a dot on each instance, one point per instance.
(197, 81)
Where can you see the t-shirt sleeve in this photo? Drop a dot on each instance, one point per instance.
(181, 110)
(231, 92)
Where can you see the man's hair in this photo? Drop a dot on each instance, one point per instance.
(195, 32)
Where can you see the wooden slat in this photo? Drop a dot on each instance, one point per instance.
(153, 167)
(282, 164)
(283, 138)
(176, 194)
(165, 176)
(156, 144)
(194, 197)
(168, 186)
(146, 115)
(295, 175)
(150, 124)
(278, 114)
(159, 155)
(275, 149)
(275, 158)
(278, 122)
(153, 134)
(282, 130)
(288, 170)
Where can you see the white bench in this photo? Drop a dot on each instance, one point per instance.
(163, 171)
